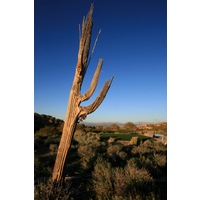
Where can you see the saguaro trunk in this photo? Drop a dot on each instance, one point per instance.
(76, 112)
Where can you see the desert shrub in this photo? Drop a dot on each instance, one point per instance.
(87, 138)
(116, 155)
(48, 190)
(89, 128)
(46, 131)
(140, 182)
(102, 181)
(123, 155)
(121, 183)
(87, 156)
(38, 142)
(160, 160)
(114, 149)
(143, 149)
(152, 157)
(37, 169)
(160, 148)
(149, 147)
(155, 165)
(80, 126)
(43, 165)
(45, 137)
(79, 133)
(41, 168)
(53, 148)
(48, 141)
(88, 145)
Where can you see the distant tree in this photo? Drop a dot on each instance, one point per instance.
(114, 127)
(130, 126)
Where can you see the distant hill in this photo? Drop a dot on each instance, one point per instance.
(119, 123)
(102, 123)
(41, 120)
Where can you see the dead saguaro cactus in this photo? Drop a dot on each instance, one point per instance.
(75, 112)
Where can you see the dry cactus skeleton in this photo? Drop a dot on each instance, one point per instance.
(75, 112)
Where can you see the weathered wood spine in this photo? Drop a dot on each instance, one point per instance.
(76, 112)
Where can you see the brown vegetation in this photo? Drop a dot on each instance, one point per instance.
(97, 169)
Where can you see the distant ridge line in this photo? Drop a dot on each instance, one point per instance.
(102, 123)
(117, 123)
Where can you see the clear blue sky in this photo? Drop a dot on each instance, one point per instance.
(132, 43)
